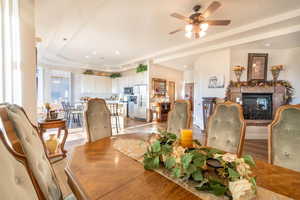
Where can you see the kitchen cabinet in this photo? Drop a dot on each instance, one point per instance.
(95, 84)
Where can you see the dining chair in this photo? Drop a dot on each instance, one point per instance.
(179, 117)
(115, 114)
(98, 119)
(16, 182)
(226, 128)
(19, 129)
(284, 138)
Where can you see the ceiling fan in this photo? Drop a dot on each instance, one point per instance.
(197, 24)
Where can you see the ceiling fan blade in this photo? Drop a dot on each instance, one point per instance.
(181, 17)
(177, 30)
(217, 22)
(211, 8)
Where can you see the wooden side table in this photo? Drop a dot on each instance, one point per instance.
(60, 125)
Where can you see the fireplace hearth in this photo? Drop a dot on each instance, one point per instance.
(257, 106)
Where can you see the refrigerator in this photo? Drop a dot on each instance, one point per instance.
(140, 105)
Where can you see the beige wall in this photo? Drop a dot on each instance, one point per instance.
(28, 57)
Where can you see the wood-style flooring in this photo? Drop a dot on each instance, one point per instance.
(256, 148)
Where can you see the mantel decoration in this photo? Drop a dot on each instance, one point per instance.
(203, 168)
(115, 75)
(257, 66)
(276, 71)
(141, 68)
(257, 83)
(238, 71)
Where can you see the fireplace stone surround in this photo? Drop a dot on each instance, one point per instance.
(278, 94)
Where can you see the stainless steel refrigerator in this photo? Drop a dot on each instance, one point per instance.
(140, 106)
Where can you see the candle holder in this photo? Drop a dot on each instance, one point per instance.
(186, 139)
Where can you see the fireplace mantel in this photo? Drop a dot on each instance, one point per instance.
(278, 92)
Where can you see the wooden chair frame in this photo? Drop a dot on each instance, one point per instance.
(189, 114)
(276, 120)
(243, 127)
(23, 160)
(86, 117)
(11, 140)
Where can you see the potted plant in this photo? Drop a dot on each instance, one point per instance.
(141, 68)
(115, 75)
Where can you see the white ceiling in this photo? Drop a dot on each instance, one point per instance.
(135, 28)
(280, 42)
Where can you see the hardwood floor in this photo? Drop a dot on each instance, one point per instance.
(256, 148)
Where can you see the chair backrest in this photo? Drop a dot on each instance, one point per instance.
(226, 128)
(179, 117)
(284, 138)
(98, 119)
(16, 182)
(34, 151)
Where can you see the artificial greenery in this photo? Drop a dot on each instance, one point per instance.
(257, 83)
(141, 68)
(115, 75)
(207, 168)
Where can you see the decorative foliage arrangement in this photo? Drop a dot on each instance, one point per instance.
(208, 169)
(277, 68)
(88, 72)
(141, 68)
(255, 83)
(238, 68)
(115, 75)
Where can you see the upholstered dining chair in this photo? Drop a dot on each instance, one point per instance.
(16, 182)
(284, 138)
(98, 119)
(20, 130)
(179, 117)
(226, 128)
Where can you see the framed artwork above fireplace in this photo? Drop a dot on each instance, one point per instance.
(257, 66)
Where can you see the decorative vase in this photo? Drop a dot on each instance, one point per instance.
(238, 74)
(52, 143)
(275, 74)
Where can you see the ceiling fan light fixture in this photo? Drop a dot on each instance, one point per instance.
(204, 27)
(189, 28)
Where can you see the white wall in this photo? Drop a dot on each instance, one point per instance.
(213, 63)
(28, 58)
(188, 76)
(289, 58)
(158, 71)
(292, 71)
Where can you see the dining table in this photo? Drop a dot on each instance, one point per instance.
(97, 171)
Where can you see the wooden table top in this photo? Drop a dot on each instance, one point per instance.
(97, 171)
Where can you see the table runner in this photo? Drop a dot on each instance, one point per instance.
(135, 149)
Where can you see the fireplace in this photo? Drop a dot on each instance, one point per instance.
(257, 106)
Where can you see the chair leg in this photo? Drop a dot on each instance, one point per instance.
(116, 124)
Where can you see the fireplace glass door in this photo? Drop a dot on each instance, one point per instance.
(257, 106)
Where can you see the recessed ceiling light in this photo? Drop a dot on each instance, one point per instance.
(184, 66)
(267, 44)
(117, 52)
(86, 56)
(94, 52)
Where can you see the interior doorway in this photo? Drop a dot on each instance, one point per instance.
(189, 93)
(171, 92)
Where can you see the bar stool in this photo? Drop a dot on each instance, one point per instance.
(114, 109)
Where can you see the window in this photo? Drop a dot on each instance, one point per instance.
(10, 81)
(60, 89)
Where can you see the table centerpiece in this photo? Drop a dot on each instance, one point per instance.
(206, 169)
